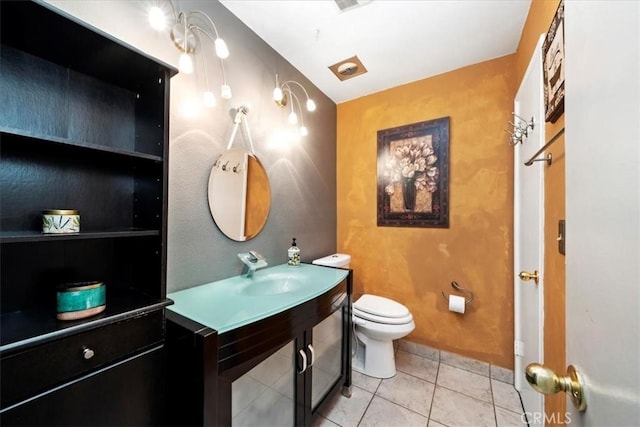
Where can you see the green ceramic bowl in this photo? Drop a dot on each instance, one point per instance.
(79, 300)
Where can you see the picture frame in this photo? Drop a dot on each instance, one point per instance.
(553, 67)
(413, 175)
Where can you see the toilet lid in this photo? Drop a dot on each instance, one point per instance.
(381, 319)
(380, 306)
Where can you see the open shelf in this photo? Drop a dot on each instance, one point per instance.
(34, 236)
(8, 134)
(23, 329)
(43, 100)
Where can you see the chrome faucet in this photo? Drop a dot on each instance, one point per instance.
(253, 260)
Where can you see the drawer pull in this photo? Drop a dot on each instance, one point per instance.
(87, 353)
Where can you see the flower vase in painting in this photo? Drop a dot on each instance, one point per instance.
(411, 174)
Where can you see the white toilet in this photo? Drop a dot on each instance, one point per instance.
(378, 321)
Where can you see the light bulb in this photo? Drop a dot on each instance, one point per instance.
(225, 91)
(185, 64)
(157, 18)
(304, 131)
(209, 99)
(293, 118)
(311, 106)
(277, 94)
(221, 48)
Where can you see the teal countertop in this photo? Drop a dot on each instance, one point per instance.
(227, 304)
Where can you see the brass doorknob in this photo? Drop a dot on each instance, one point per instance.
(544, 380)
(525, 275)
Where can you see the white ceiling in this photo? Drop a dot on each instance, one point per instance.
(398, 41)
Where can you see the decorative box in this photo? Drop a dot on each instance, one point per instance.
(60, 221)
(80, 300)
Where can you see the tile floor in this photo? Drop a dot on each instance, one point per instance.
(431, 388)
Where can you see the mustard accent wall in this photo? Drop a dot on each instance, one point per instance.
(413, 265)
(539, 19)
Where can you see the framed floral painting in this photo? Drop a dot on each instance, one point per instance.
(413, 175)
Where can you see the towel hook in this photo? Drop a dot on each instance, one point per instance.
(459, 288)
(520, 129)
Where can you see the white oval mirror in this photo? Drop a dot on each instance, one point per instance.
(239, 194)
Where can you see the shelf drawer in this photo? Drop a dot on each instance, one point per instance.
(39, 368)
(127, 393)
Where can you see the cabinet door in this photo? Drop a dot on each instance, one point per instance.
(327, 356)
(326, 352)
(265, 396)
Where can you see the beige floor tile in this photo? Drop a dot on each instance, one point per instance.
(465, 382)
(509, 419)
(271, 409)
(501, 374)
(417, 366)
(506, 396)
(244, 391)
(383, 413)
(462, 396)
(345, 411)
(323, 422)
(455, 409)
(365, 382)
(408, 391)
(458, 361)
(420, 350)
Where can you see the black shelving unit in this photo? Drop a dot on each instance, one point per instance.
(83, 125)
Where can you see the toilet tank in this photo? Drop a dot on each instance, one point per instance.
(335, 260)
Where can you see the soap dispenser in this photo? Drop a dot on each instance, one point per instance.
(293, 254)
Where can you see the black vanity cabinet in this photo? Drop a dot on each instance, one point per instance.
(84, 126)
(277, 371)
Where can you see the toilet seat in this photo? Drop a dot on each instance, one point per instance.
(381, 310)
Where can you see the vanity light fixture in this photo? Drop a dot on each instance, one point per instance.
(283, 95)
(186, 30)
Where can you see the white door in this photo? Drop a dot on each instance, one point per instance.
(602, 146)
(529, 231)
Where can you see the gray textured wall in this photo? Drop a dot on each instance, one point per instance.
(302, 175)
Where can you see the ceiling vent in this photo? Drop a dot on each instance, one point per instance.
(348, 68)
(345, 5)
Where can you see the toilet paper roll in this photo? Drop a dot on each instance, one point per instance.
(456, 303)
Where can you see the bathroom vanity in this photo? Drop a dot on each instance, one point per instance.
(263, 350)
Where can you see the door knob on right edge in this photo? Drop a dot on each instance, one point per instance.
(544, 380)
(525, 275)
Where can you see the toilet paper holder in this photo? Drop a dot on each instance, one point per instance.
(459, 288)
